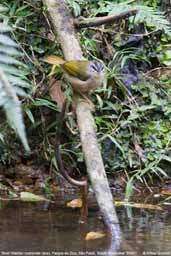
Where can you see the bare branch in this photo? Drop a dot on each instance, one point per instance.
(98, 21)
(63, 26)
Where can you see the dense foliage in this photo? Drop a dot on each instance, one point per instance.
(132, 108)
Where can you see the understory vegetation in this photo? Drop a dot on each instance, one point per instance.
(132, 109)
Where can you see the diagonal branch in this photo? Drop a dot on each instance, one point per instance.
(97, 21)
(63, 27)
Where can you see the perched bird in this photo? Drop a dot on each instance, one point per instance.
(83, 75)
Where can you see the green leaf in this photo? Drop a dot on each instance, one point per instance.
(76, 8)
(144, 108)
(167, 158)
(44, 102)
(167, 54)
(129, 188)
(19, 91)
(30, 115)
(1, 137)
(167, 62)
(100, 101)
(116, 143)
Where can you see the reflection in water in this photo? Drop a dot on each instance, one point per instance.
(32, 227)
(28, 227)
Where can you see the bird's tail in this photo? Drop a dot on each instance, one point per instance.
(54, 60)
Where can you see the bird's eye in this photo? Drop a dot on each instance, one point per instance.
(97, 66)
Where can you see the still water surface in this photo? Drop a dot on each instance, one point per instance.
(46, 230)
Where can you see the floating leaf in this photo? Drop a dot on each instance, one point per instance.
(30, 197)
(139, 205)
(76, 203)
(94, 235)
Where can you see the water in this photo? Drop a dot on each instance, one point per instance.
(42, 229)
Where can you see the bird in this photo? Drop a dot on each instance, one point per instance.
(83, 75)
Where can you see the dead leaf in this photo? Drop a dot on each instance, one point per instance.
(51, 37)
(156, 73)
(56, 93)
(27, 180)
(139, 205)
(76, 203)
(94, 235)
(166, 192)
(138, 149)
(109, 48)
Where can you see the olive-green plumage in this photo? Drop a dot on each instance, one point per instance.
(77, 69)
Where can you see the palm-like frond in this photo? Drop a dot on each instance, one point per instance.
(12, 82)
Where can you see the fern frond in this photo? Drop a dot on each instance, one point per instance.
(12, 82)
(18, 82)
(152, 18)
(10, 50)
(145, 14)
(11, 104)
(2, 9)
(4, 28)
(5, 40)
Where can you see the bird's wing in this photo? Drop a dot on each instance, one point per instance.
(72, 68)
